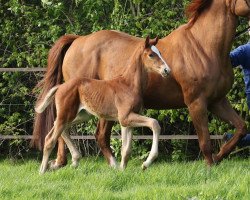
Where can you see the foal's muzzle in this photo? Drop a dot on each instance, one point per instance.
(166, 71)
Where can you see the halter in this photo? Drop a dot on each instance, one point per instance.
(242, 32)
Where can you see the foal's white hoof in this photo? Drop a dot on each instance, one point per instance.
(53, 165)
(114, 166)
(42, 170)
(144, 167)
(74, 164)
(122, 168)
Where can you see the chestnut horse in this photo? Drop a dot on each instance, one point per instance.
(118, 99)
(201, 72)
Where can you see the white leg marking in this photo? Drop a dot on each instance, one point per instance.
(112, 162)
(50, 142)
(139, 121)
(126, 145)
(154, 149)
(72, 148)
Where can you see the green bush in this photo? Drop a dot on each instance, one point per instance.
(29, 28)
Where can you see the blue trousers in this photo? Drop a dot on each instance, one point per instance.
(248, 101)
(245, 141)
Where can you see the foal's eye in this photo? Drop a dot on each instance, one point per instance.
(151, 55)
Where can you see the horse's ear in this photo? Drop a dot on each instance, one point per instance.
(147, 44)
(154, 41)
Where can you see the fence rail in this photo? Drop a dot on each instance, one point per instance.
(136, 137)
(92, 137)
(26, 69)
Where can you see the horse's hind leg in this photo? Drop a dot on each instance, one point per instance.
(49, 144)
(102, 135)
(126, 145)
(72, 148)
(224, 111)
(136, 120)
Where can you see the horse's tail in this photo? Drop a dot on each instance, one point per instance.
(47, 100)
(44, 121)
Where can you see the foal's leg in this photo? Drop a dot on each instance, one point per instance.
(102, 135)
(136, 120)
(126, 145)
(224, 111)
(61, 159)
(198, 113)
(72, 148)
(50, 141)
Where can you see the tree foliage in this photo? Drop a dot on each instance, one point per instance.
(28, 28)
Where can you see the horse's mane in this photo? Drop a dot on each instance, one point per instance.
(195, 8)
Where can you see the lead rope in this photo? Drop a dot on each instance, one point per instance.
(247, 29)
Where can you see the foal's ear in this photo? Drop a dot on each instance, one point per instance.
(154, 41)
(147, 44)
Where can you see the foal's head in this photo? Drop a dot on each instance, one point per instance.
(152, 59)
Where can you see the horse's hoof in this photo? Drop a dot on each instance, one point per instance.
(215, 159)
(53, 165)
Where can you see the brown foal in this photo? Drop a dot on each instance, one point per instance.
(201, 73)
(119, 99)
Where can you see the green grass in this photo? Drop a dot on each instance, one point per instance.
(95, 180)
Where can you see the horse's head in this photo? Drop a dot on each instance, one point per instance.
(152, 58)
(240, 7)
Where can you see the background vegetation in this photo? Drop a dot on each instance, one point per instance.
(28, 28)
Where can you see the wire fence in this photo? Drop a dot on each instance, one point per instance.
(90, 137)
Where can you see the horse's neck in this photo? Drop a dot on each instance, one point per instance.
(215, 29)
(135, 75)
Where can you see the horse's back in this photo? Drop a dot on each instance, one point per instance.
(100, 55)
(106, 54)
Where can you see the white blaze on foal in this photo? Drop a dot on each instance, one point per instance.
(166, 68)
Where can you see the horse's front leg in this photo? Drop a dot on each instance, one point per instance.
(102, 135)
(224, 111)
(198, 112)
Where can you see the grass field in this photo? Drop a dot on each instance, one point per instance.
(95, 180)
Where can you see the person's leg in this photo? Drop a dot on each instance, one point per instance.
(245, 141)
(248, 100)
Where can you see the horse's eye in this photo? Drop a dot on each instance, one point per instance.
(151, 55)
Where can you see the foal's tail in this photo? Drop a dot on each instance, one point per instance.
(44, 121)
(47, 100)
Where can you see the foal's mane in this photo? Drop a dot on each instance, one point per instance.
(195, 8)
(135, 60)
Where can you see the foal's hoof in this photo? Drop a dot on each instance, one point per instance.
(144, 167)
(42, 170)
(53, 165)
(121, 168)
(74, 165)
